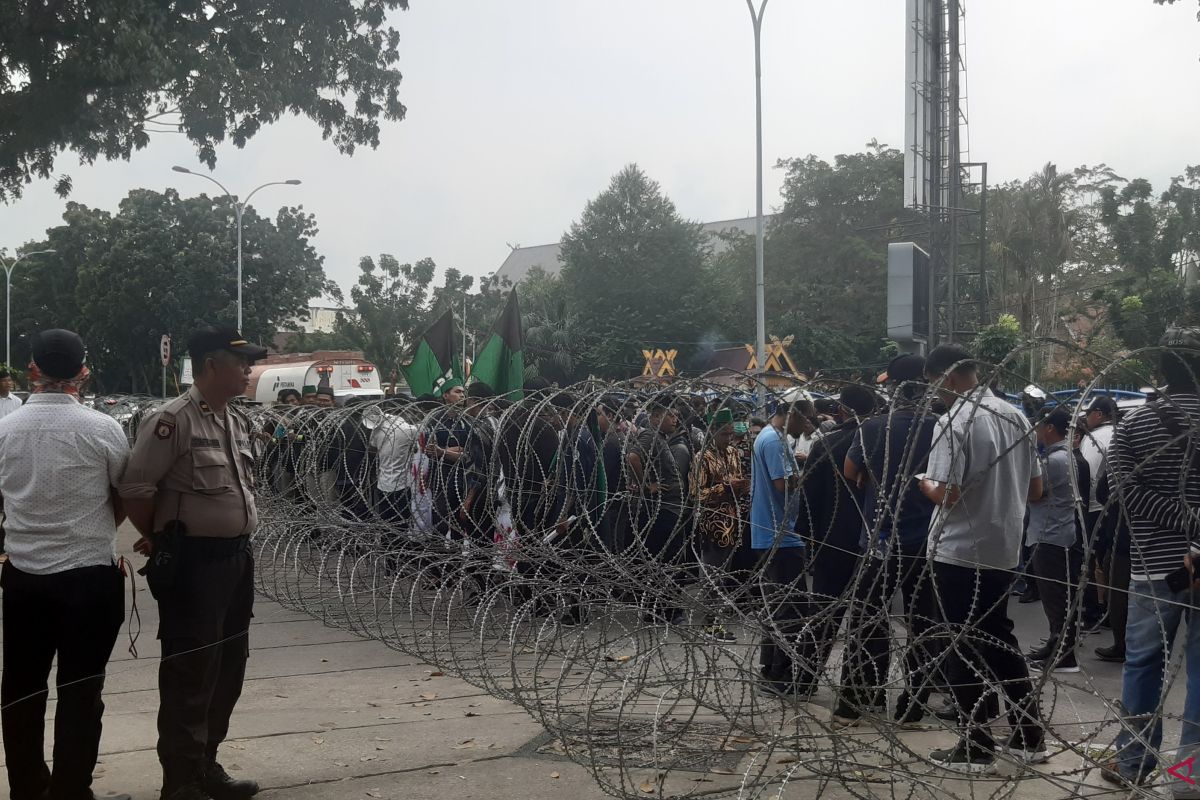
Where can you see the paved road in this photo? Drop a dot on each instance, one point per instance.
(329, 715)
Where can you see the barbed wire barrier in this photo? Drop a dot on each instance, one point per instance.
(490, 540)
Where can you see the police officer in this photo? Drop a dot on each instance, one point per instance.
(191, 472)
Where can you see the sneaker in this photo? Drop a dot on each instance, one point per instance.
(844, 716)
(1042, 651)
(966, 758)
(678, 619)
(1113, 654)
(1029, 596)
(1064, 665)
(1018, 749)
(1111, 772)
(945, 711)
(909, 713)
(718, 634)
(1094, 625)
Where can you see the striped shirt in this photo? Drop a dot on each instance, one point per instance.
(1158, 485)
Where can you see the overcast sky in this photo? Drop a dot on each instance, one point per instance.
(520, 111)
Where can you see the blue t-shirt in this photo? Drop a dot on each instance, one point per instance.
(771, 516)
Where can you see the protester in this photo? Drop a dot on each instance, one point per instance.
(189, 490)
(64, 594)
(1056, 532)
(887, 451)
(288, 397)
(394, 440)
(658, 484)
(9, 402)
(983, 471)
(722, 495)
(774, 507)
(830, 522)
(1098, 421)
(325, 398)
(1156, 474)
(445, 445)
(308, 396)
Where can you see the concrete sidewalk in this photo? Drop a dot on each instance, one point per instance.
(327, 715)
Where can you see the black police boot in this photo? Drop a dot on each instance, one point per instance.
(218, 784)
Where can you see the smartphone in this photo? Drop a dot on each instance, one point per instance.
(1180, 579)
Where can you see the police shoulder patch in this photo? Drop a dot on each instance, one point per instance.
(164, 428)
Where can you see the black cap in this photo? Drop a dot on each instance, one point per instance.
(1104, 404)
(210, 339)
(5, 374)
(906, 367)
(326, 390)
(58, 353)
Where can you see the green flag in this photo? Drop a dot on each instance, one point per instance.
(434, 368)
(501, 362)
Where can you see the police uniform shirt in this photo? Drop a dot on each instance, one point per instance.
(197, 465)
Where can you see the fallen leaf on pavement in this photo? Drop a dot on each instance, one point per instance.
(429, 696)
(647, 787)
(554, 775)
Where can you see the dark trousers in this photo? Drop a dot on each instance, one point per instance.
(1093, 608)
(1118, 594)
(1058, 571)
(983, 658)
(204, 627)
(868, 658)
(74, 615)
(787, 602)
(832, 568)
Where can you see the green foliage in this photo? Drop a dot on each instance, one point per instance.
(631, 274)
(996, 341)
(302, 342)
(163, 264)
(555, 341)
(100, 77)
(391, 301)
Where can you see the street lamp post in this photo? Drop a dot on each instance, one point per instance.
(8, 271)
(756, 17)
(239, 208)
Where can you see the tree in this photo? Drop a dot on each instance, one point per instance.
(177, 258)
(1172, 2)
(391, 301)
(99, 78)
(555, 341)
(303, 342)
(631, 268)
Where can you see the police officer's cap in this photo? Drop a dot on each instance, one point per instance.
(210, 339)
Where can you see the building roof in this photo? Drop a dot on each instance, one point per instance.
(522, 260)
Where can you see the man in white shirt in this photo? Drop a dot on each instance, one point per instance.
(64, 594)
(394, 439)
(1100, 416)
(9, 402)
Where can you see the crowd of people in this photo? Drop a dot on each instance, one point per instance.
(933, 488)
(808, 524)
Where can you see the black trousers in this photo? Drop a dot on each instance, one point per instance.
(983, 658)
(204, 627)
(868, 655)
(75, 616)
(832, 568)
(1094, 531)
(787, 601)
(1118, 593)
(1058, 571)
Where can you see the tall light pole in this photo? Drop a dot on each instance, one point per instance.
(756, 17)
(8, 271)
(239, 207)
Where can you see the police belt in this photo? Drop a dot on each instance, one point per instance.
(214, 546)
